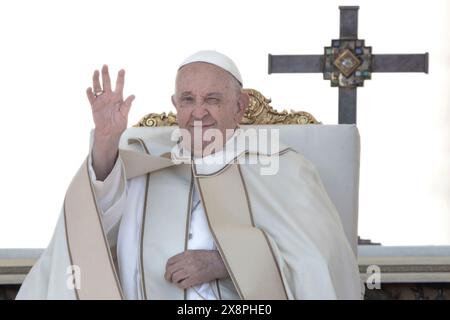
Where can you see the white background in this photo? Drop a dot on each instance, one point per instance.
(49, 50)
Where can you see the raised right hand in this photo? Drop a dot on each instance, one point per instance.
(109, 110)
(110, 113)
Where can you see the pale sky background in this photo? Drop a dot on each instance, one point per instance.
(49, 50)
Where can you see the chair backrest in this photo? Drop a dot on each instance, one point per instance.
(333, 149)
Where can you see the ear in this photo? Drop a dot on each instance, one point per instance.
(173, 101)
(242, 105)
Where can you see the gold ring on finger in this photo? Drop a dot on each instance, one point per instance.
(98, 93)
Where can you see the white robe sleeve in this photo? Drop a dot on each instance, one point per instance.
(110, 193)
(49, 277)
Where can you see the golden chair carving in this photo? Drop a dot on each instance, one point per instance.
(259, 111)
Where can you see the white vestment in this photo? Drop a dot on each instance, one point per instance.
(292, 208)
(128, 237)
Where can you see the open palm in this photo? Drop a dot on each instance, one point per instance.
(109, 110)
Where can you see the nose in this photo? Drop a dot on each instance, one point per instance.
(199, 113)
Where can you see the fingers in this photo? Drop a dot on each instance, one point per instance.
(188, 282)
(173, 265)
(170, 270)
(176, 258)
(120, 83)
(126, 105)
(179, 276)
(96, 81)
(90, 95)
(106, 79)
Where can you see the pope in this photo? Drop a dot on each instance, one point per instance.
(193, 212)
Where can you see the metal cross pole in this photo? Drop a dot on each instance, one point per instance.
(347, 63)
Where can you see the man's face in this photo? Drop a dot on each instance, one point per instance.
(207, 97)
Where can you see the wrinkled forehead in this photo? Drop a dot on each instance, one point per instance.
(202, 78)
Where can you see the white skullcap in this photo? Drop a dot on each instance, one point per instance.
(215, 58)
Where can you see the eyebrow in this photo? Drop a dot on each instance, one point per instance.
(188, 93)
(214, 94)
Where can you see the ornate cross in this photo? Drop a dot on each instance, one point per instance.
(347, 63)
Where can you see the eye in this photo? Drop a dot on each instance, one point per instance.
(187, 99)
(212, 100)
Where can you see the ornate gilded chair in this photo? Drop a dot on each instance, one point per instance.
(333, 149)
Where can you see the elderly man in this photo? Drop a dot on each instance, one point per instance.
(138, 223)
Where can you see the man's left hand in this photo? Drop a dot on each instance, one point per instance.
(194, 267)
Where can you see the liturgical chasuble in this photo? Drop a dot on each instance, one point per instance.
(279, 235)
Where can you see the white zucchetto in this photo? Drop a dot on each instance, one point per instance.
(215, 58)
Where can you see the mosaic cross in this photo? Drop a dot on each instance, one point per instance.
(347, 63)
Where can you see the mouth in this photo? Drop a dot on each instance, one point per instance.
(203, 126)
